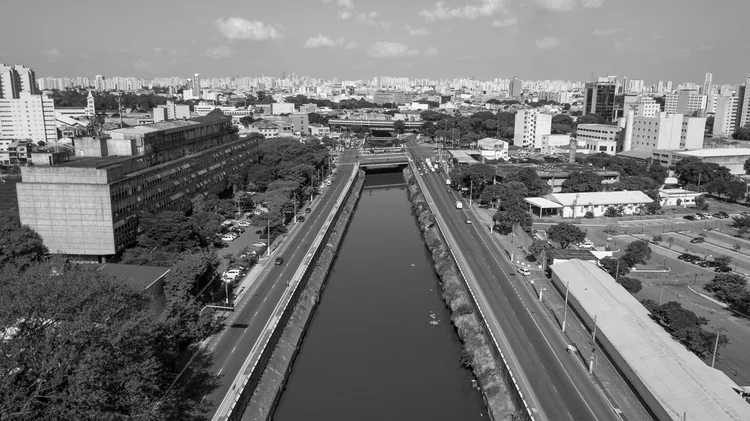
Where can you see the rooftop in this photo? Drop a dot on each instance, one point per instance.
(624, 197)
(679, 380)
(637, 153)
(93, 162)
(715, 152)
(140, 277)
(570, 254)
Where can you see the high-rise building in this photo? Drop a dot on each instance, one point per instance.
(707, 84)
(599, 98)
(28, 117)
(196, 86)
(300, 122)
(685, 102)
(660, 87)
(516, 88)
(16, 79)
(531, 126)
(725, 119)
(99, 83)
(668, 131)
(669, 86)
(743, 107)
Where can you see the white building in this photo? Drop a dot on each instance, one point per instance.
(319, 130)
(576, 205)
(726, 116)
(15, 80)
(668, 131)
(678, 197)
(493, 148)
(554, 140)
(684, 102)
(282, 108)
(646, 107)
(531, 125)
(29, 117)
(171, 111)
(597, 138)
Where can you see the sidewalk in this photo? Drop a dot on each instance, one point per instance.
(605, 375)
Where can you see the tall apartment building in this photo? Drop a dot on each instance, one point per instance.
(89, 206)
(516, 88)
(300, 123)
(641, 105)
(99, 83)
(196, 86)
(171, 111)
(743, 106)
(28, 117)
(686, 102)
(15, 80)
(599, 98)
(668, 131)
(531, 126)
(392, 97)
(725, 118)
(708, 84)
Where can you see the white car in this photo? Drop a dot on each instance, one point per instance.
(259, 244)
(244, 224)
(524, 271)
(228, 238)
(230, 275)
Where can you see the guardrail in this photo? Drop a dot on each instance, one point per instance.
(228, 409)
(449, 239)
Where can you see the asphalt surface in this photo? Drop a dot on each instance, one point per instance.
(561, 388)
(245, 325)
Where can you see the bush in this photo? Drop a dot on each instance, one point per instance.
(657, 238)
(631, 285)
(589, 215)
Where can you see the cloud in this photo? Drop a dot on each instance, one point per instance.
(505, 22)
(475, 9)
(568, 5)
(417, 31)
(222, 51)
(547, 42)
(371, 19)
(351, 45)
(52, 53)
(432, 51)
(344, 14)
(347, 4)
(606, 31)
(322, 41)
(383, 49)
(239, 28)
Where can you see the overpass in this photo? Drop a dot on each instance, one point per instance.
(383, 160)
(373, 124)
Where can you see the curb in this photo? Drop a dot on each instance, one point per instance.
(713, 300)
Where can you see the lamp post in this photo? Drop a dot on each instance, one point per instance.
(268, 246)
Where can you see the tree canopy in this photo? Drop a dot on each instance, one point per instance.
(637, 252)
(581, 182)
(535, 186)
(20, 246)
(566, 234)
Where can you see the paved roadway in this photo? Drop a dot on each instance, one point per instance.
(561, 387)
(244, 326)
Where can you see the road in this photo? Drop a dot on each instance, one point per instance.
(561, 387)
(244, 326)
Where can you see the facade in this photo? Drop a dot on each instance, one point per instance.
(319, 130)
(392, 97)
(171, 111)
(15, 80)
(686, 102)
(28, 117)
(516, 88)
(743, 106)
(300, 123)
(531, 126)
(678, 197)
(493, 148)
(576, 205)
(726, 116)
(599, 98)
(89, 206)
(269, 130)
(599, 138)
(308, 108)
(282, 108)
(668, 131)
(645, 107)
(550, 141)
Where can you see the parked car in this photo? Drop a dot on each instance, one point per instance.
(707, 216)
(684, 256)
(259, 244)
(721, 215)
(524, 271)
(308, 210)
(745, 213)
(723, 269)
(708, 264)
(300, 218)
(228, 238)
(700, 216)
(278, 261)
(468, 221)
(698, 240)
(238, 230)
(689, 217)
(245, 224)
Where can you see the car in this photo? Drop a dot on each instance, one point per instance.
(308, 210)
(721, 215)
(259, 244)
(245, 224)
(686, 257)
(697, 240)
(220, 244)
(524, 271)
(745, 213)
(238, 230)
(689, 217)
(300, 218)
(468, 221)
(708, 264)
(278, 261)
(707, 216)
(228, 238)
(723, 269)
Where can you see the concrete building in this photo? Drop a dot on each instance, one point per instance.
(599, 137)
(282, 108)
(28, 117)
(308, 108)
(15, 80)
(516, 88)
(668, 131)
(732, 158)
(319, 130)
(743, 106)
(687, 102)
(576, 205)
(269, 130)
(89, 206)
(392, 97)
(531, 126)
(726, 116)
(171, 111)
(300, 123)
(673, 383)
(599, 97)
(677, 197)
(196, 86)
(550, 141)
(493, 149)
(645, 107)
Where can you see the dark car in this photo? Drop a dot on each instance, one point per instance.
(220, 244)
(708, 264)
(689, 217)
(300, 218)
(698, 240)
(308, 210)
(278, 261)
(238, 230)
(723, 269)
(686, 257)
(721, 215)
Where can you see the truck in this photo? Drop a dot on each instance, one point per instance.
(429, 165)
(448, 182)
(459, 204)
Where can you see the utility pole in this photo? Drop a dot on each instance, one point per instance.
(716, 348)
(268, 245)
(565, 310)
(617, 270)
(471, 191)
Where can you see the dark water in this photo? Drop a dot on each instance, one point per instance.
(371, 352)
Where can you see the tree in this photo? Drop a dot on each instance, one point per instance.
(581, 182)
(614, 211)
(491, 194)
(534, 184)
(670, 242)
(399, 126)
(634, 183)
(742, 133)
(592, 119)
(631, 285)
(566, 234)
(727, 287)
(723, 260)
(170, 231)
(736, 189)
(746, 166)
(686, 327)
(692, 171)
(637, 252)
(506, 219)
(538, 246)
(700, 203)
(615, 267)
(20, 246)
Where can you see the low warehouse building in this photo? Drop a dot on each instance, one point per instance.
(576, 205)
(674, 383)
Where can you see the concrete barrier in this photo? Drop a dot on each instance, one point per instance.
(510, 377)
(234, 402)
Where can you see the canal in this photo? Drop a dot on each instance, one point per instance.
(381, 345)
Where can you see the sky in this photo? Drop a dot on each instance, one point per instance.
(678, 40)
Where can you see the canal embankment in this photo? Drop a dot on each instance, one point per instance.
(478, 353)
(271, 385)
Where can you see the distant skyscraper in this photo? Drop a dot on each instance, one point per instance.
(669, 86)
(599, 98)
(660, 86)
(707, 85)
(743, 105)
(726, 115)
(196, 86)
(99, 83)
(516, 88)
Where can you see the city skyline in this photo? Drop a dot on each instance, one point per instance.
(362, 39)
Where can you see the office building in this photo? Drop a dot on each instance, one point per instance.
(687, 102)
(599, 138)
(599, 98)
(196, 86)
(531, 126)
(28, 117)
(516, 88)
(300, 123)
(99, 83)
(89, 206)
(171, 111)
(668, 131)
(743, 106)
(707, 84)
(725, 118)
